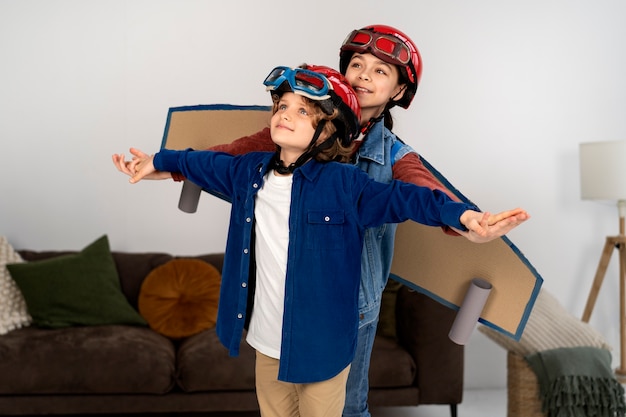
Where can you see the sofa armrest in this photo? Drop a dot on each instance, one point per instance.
(422, 327)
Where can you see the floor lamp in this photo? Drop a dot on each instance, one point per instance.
(603, 177)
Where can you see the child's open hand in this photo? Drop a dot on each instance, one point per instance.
(140, 167)
(132, 167)
(496, 218)
(484, 227)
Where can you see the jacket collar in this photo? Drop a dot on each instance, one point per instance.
(373, 146)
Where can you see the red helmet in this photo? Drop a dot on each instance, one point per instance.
(325, 85)
(346, 100)
(390, 45)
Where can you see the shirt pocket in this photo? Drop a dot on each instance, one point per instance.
(326, 229)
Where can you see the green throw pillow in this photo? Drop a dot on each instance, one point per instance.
(75, 289)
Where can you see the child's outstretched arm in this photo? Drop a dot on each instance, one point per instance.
(140, 167)
(485, 227)
(260, 141)
(129, 167)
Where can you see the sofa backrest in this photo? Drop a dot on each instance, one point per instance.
(132, 267)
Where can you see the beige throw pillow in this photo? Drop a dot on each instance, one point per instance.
(549, 326)
(13, 312)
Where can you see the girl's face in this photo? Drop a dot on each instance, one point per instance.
(375, 83)
(291, 126)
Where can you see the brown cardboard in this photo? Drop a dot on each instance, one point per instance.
(203, 126)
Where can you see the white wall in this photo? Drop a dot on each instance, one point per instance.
(509, 90)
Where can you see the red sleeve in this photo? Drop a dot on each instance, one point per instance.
(411, 169)
(259, 141)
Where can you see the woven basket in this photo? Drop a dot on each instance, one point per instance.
(522, 388)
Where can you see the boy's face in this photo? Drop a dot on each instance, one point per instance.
(291, 126)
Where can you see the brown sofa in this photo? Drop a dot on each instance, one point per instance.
(115, 369)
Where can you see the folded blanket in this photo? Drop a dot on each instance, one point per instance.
(577, 382)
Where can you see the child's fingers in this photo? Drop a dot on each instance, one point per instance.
(120, 163)
(136, 177)
(138, 153)
(495, 218)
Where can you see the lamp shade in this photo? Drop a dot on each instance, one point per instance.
(603, 170)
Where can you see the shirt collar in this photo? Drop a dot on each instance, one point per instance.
(310, 170)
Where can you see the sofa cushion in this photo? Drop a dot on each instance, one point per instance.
(393, 367)
(179, 299)
(75, 289)
(204, 364)
(13, 312)
(86, 360)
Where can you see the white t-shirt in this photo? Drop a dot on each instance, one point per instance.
(271, 212)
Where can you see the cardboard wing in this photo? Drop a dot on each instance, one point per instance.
(426, 259)
(203, 126)
(443, 266)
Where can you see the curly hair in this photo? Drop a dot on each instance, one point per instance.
(336, 151)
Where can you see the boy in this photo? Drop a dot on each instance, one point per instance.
(295, 238)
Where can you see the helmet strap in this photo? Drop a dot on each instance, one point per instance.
(393, 99)
(365, 130)
(279, 165)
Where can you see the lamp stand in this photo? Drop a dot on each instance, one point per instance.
(619, 243)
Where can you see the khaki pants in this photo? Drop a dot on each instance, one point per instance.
(283, 399)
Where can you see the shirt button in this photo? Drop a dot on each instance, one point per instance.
(245, 251)
(248, 219)
(244, 285)
(327, 218)
(239, 316)
(255, 185)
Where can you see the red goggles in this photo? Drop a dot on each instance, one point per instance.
(378, 44)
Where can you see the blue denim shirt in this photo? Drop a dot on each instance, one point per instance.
(374, 156)
(332, 205)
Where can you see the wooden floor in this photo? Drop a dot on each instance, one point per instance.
(476, 403)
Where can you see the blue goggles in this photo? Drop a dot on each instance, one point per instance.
(304, 82)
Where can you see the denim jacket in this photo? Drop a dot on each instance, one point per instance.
(332, 205)
(374, 156)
